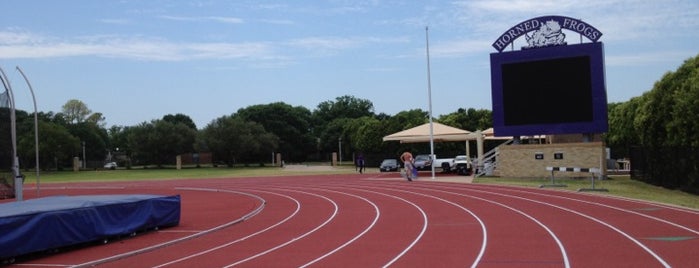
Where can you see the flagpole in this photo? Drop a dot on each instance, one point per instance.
(429, 97)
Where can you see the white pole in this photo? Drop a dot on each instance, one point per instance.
(13, 133)
(36, 132)
(429, 97)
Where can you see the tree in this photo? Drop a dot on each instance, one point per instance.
(76, 111)
(343, 107)
(118, 138)
(57, 146)
(292, 125)
(335, 133)
(622, 132)
(367, 134)
(180, 118)
(406, 119)
(667, 122)
(173, 139)
(230, 139)
(470, 119)
(670, 114)
(142, 149)
(95, 140)
(96, 119)
(159, 142)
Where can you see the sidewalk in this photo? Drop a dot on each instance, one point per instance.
(460, 179)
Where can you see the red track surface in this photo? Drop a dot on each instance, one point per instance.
(377, 220)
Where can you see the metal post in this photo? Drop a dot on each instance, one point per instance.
(18, 182)
(339, 145)
(36, 132)
(84, 159)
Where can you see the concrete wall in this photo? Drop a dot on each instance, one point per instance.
(531, 160)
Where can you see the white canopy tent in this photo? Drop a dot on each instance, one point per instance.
(440, 133)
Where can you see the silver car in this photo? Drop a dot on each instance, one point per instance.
(110, 165)
(422, 162)
(389, 165)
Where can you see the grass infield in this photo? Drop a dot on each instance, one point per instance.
(621, 186)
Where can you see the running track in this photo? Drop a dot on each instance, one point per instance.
(379, 220)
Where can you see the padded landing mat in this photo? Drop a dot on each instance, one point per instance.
(58, 221)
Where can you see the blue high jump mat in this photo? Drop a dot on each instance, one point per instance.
(59, 221)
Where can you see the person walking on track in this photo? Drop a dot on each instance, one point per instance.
(360, 163)
(407, 159)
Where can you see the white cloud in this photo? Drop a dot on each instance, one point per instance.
(278, 22)
(24, 45)
(340, 43)
(228, 20)
(116, 21)
(14, 36)
(647, 59)
(459, 48)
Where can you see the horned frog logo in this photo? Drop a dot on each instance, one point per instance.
(549, 34)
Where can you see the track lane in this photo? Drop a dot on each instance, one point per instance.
(593, 230)
(506, 243)
(631, 226)
(651, 228)
(215, 249)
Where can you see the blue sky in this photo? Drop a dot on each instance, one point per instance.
(135, 61)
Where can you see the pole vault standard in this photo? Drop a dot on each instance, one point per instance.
(13, 133)
(36, 132)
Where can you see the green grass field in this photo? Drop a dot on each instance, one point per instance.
(621, 186)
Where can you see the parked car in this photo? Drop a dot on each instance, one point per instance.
(422, 162)
(110, 165)
(389, 165)
(462, 165)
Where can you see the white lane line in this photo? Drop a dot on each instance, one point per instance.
(561, 248)
(298, 208)
(334, 214)
(417, 238)
(638, 243)
(367, 229)
(171, 242)
(677, 225)
(484, 230)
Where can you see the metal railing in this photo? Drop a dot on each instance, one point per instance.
(491, 158)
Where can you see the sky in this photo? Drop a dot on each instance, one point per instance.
(135, 61)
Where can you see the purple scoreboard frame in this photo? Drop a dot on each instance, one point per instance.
(596, 122)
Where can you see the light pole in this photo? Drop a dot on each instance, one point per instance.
(429, 97)
(339, 145)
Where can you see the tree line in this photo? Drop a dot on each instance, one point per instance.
(247, 136)
(660, 130)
